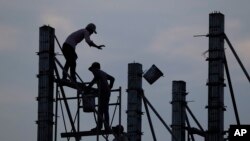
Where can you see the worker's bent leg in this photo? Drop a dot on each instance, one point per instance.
(73, 70)
(70, 56)
(65, 70)
(106, 112)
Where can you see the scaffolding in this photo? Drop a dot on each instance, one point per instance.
(48, 76)
(81, 98)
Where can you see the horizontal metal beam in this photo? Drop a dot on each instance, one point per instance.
(85, 133)
(75, 85)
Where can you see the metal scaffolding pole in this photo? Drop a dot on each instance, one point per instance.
(237, 57)
(149, 120)
(231, 92)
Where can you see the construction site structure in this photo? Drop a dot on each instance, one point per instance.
(49, 75)
(48, 112)
(178, 110)
(45, 84)
(134, 109)
(215, 82)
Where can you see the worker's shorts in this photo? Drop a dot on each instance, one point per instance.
(69, 52)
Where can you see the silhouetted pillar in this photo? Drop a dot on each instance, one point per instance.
(178, 110)
(216, 78)
(45, 84)
(134, 110)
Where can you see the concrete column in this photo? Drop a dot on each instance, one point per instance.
(134, 110)
(178, 109)
(45, 84)
(216, 78)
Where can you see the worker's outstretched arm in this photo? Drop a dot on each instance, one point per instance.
(92, 44)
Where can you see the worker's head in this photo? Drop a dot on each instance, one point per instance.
(95, 65)
(91, 28)
(118, 129)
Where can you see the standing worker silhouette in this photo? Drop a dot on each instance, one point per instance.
(69, 47)
(102, 78)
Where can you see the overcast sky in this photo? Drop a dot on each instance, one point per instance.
(149, 32)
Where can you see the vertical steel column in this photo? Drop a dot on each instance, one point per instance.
(178, 110)
(134, 110)
(45, 84)
(216, 78)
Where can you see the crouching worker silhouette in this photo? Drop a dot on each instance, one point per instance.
(101, 78)
(70, 44)
(119, 134)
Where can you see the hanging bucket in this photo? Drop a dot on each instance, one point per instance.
(88, 103)
(152, 74)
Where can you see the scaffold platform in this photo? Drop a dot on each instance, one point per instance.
(68, 83)
(85, 133)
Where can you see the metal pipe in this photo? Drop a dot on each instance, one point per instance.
(78, 111)
(149, 119)
(196, 121)
(56, 112)
(231, 90)
(237, 57)
(160, 118)
(120, 106)
(188, 123)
